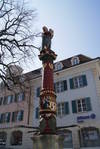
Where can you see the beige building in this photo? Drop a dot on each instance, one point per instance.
(77, 86)
(16, 106)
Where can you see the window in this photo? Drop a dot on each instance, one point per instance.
(1, 100)
(38, 92)
(5, 100)
(3, 138)
(19, 97)
(81, 105)
(5, 117)
(89, 137)
(77, 82)
(9, 99)
(16, 138)
(67, 142)
(37, 113)
(14, 116)
(58, 66)
(17, 116)
(20, 115)
(62, 108)
(60, 86)
(75, 61)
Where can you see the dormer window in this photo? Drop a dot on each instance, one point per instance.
(58, 66)
(75, 61)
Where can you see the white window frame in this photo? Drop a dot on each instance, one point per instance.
(82, 106)
(59, 86)
(61, 109)
(58, 66)
(75, 61)
(78, 81)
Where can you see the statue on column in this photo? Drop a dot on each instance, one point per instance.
(47, 35)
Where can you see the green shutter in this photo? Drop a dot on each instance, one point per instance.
(2, 117)
(37, 113)
(13, 116)
(74, 106)
(88, 104)
(66, 108)
(1, 99)
(65, 84)
(71, 83)
(38, 92)
(84, 80)
(8, 117)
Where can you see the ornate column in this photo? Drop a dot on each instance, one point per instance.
(47, 137)
(47, 94)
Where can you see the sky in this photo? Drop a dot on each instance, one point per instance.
(76, 25)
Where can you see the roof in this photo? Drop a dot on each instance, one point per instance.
(66, 64)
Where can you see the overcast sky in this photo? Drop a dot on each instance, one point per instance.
(76, 25)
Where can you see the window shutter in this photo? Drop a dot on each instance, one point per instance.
(65, 84)
(84, 80)
(0, 118)
(37, 113)
(88, 104)
(8, 117)
(13, 116)
(71, 83)
(74, 106)
(1, 99)
(21, 115)
(66, 108)
(5, 100)
(16, 97)
(11, 99)
(23, 96)
(38, 92)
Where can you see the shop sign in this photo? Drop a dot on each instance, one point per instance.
(82, 118)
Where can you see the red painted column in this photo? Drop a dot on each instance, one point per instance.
(48, 76)
(47, 94)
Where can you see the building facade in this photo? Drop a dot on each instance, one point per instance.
(77, 86)
(15, 108)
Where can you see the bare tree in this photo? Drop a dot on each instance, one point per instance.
(16, 35)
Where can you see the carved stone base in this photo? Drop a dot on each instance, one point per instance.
(47, 141)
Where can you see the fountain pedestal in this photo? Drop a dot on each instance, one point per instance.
(47, 142)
